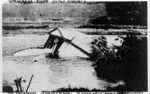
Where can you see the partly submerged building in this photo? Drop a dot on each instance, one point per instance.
(68, 42)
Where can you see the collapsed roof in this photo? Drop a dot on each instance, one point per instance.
(74, 41)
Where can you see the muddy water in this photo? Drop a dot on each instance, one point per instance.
(74, 73)
(53, 74)
(69, 50)
(28, 52)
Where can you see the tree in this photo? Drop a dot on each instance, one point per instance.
(134, 13)
(129, 63)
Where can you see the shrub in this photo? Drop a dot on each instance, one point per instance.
(127, 62)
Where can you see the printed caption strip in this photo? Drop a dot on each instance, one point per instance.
(48, 92)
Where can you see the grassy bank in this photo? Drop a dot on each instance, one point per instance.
(35, 11)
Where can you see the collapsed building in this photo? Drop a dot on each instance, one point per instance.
(61, 43)
(60, 40)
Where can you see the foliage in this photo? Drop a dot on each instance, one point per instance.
(24, 27)
(127, 62)
(126, 9)
(100, 49)
(123, 13)
(100, 20)
(128, 12)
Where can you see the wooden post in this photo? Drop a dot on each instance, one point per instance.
(19, 83)
(29, 83)
(76, 46)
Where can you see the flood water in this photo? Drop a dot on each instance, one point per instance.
(53, 74)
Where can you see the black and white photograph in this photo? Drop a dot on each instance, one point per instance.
(74, 46)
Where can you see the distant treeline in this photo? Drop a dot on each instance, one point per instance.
(124, 13)
(103, 26)
(117, 13)
(26, 27)
(113, 26)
